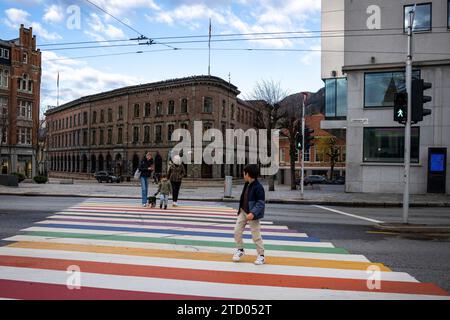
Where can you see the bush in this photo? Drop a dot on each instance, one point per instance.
(20, 176)
(40, 179)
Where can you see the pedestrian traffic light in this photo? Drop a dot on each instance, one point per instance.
(401, 107)
(308, 138)
(419, 99)
(298, 140)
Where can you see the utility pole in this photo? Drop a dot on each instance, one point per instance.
(302, 180)
(408, 120)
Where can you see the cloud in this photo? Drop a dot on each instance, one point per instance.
(102, 31)
(15, 17)
(77, 79)
(53, 14)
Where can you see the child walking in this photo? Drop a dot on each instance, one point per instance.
(251, 211)
(164, 188)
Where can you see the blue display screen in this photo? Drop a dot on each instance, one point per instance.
(437, 163)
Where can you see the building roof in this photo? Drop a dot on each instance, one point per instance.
(211, 80)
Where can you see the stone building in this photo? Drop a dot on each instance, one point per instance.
(20, 82)
(113, 130)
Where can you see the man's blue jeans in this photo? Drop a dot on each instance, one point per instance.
(144, 188)
(163, 199)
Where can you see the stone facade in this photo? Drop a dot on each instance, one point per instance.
(113, 130)
(20, 82)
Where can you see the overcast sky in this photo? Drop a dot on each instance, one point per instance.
(297, 71)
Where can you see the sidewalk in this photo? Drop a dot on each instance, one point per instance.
(214, 191)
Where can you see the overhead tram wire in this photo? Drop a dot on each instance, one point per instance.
(246, 34)
(141, 35)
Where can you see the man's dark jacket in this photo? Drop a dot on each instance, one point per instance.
(256, 199)
(143, 167)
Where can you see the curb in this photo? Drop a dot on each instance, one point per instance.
(411, 228)
(235, 200)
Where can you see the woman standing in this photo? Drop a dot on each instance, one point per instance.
(176, 174)
(146, 168)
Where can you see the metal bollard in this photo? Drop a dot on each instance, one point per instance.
(228, 186)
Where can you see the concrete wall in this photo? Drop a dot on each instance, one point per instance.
(434, 132)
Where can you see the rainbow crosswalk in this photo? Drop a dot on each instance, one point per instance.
(127, 252)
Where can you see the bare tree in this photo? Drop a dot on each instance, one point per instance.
(4, 121)
(268, 94)
(291, 124)
(41, 134)
(328, 146)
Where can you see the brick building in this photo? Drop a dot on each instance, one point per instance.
(20, 82)
(112, 130)
(316, 160)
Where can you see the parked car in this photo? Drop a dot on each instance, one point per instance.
(311, 180)
(339, 180)
(106, 177)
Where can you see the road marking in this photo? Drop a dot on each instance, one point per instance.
(348, 214)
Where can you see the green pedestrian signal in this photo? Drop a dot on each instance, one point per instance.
(401, 107)
(298, 141)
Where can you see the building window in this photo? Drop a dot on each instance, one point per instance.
(24, 110)
(159, 107)
(422, 21)
(147, 109)
(282, 155)
(4, 53)
(70, 121)
(24, 136)
(120, 113)
(4, 78)
(336, 98)
(448, 14)
(110, 115)
(387, 145)
(135, 134)
(85, 118)
(170, 130)
(224, 105)
(184, 105)
(79, 119)
(4, 107)
(158, 134)
(94, 138)
(380, 88)
(208, 105)
(24, 84)
(232, 111)
(109, 136)
(308, 155)
(85, 137)
(4, 135)
(119, 135)
(171, 109)
(137, 108)
(184, 126)
(94, 117)
(102, 116)
(320, 156)
(146, 134)
(102, 137)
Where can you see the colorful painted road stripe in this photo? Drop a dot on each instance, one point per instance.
(124, 251)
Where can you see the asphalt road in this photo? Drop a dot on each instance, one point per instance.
(427, 259)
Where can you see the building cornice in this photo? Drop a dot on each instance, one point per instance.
(161, 85)
(397, 65)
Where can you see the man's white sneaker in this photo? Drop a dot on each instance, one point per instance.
(238, 255)
(260, 260)
(144, 205)
(174, 204)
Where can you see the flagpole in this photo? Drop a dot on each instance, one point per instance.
(209, 49)
(57, 85)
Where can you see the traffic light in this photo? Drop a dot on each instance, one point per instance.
(401, 107)
(308, 138)
(419, 99)
(298, 140)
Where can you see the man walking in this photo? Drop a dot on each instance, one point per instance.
(251, 211)
(146, 168)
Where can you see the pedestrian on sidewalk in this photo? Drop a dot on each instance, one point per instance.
(164, 189)
(146, 168)
(251, 211)
(176, 174)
